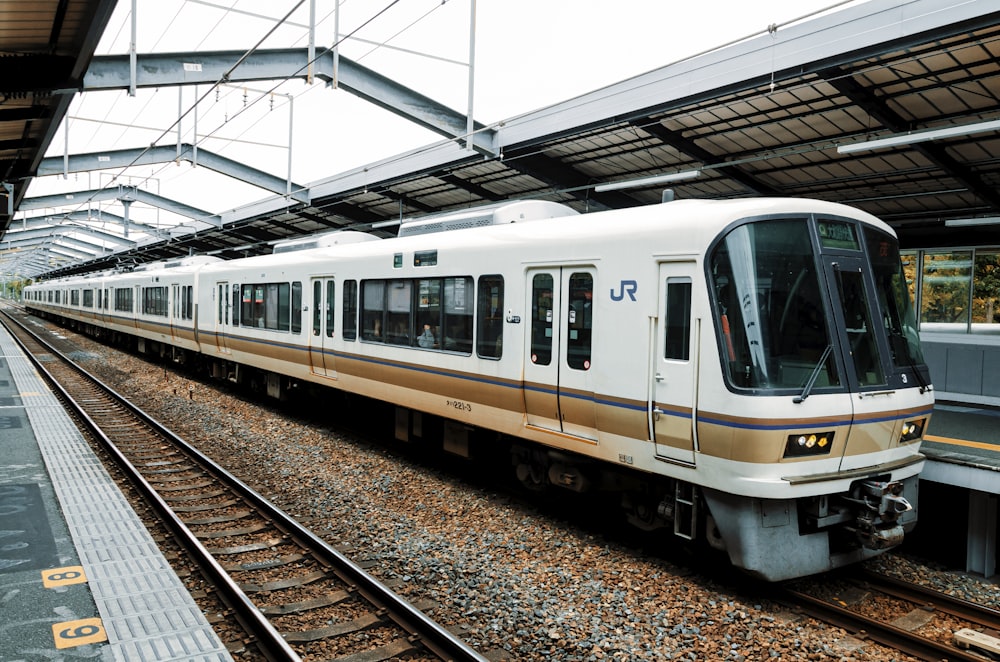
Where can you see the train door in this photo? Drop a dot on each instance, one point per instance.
(853, 299)
(137, 307)
(223, 310)
(558, 390)
(673, 406)
(174, 309)
(323, 329)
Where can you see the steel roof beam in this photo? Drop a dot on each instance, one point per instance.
(57, 165)
(112, 72)
(122, 193)
(89, 249)
(46, 231)
(82, 218)
(697, 153)
(845, 83)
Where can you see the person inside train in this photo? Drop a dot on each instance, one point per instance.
(426, 339)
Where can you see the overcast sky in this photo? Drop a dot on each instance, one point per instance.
(528, 54)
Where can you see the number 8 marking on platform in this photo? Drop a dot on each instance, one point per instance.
(72, 574)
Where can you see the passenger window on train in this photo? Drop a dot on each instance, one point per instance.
(373, 310)
(489, 313)
(398, 313)
(331, 300)
(581, 320)
(296, 307)
(317, 305)
(457, 324)
(266, 306)
(350, 310)
(154, 301)
(429, 313)
(541, 319)
(677, 325)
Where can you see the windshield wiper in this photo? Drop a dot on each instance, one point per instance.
(812, 378)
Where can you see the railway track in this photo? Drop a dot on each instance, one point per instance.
(292, 594)
(916, 620)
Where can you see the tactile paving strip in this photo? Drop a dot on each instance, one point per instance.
(145, 609)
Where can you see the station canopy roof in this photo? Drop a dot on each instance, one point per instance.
(891, 106)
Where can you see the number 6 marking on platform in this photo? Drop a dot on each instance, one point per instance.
(78, 633)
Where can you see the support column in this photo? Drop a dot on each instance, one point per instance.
(981, 556)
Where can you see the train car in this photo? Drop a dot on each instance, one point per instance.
(745, 373)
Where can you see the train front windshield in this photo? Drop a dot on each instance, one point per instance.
(790, 294)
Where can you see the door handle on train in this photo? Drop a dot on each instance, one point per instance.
(656, 413)
(659, 377)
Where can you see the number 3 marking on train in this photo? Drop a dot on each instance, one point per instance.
(628, 287)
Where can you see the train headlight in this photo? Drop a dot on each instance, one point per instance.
(811, 443)
(912, 430)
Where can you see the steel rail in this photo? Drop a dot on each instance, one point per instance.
(431, 634)
(878, 631)
(270, 641)
(970, 611)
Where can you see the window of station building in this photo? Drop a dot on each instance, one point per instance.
(88, 298)
(154, 301)
(350, 311)
(945, 291)
(955, 291)
(986, 292)
(489, 315)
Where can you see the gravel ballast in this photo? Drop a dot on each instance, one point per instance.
(515, 583)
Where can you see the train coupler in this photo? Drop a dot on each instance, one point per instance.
(879, 503)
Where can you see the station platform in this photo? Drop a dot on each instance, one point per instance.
(962, 476)
(80, 576)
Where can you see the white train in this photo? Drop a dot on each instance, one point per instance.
(746, 372)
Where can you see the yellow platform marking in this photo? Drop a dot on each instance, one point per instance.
(982, 445)
(71, 574)
(79, 633)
